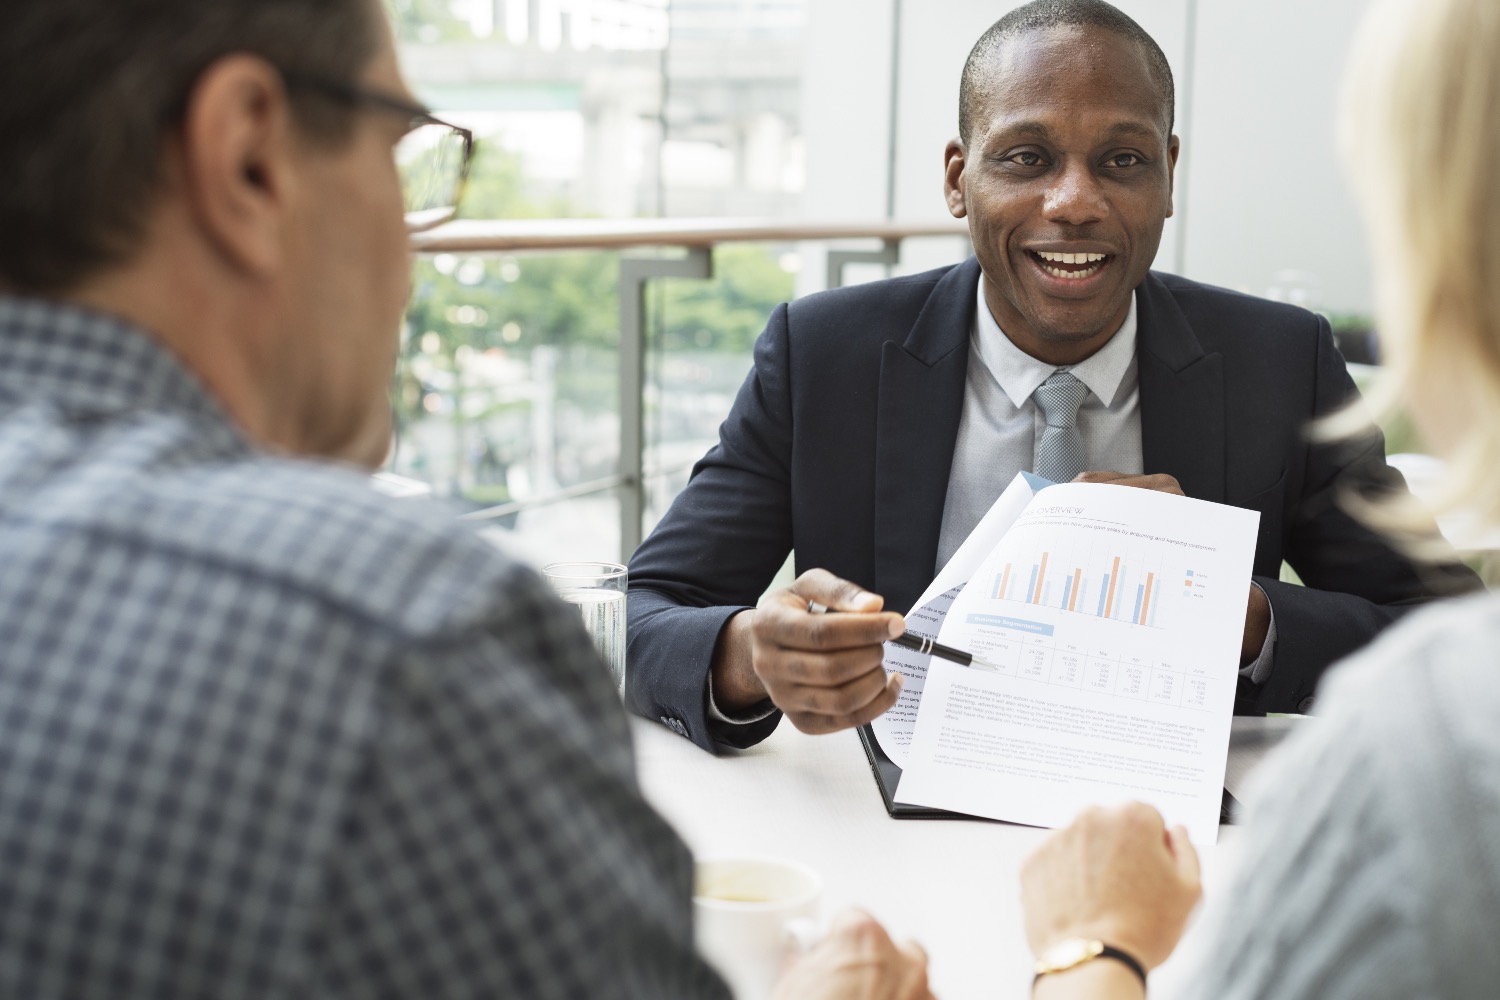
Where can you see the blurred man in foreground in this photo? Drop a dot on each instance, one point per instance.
(263, 732)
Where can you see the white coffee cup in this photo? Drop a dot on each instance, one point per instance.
(751, 915)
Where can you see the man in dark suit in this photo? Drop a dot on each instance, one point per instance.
(880, 422)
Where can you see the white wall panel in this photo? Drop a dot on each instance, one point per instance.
(1267, 189)
(846, 86)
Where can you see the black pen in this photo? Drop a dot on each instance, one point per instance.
(919, 645)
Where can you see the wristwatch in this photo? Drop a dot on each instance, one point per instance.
(1074, 952)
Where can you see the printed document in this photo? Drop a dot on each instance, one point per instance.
(893, 730)
(1113, 617)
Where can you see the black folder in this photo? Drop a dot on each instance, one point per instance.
(887, 774)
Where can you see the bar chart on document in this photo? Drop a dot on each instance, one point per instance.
(1096, 610)
(1102, 579)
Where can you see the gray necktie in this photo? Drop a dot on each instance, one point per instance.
(1059, 452)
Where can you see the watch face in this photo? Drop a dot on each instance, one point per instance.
(1066, 954)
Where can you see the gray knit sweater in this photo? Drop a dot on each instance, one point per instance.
(1371, 861)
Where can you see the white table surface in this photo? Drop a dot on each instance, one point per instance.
(952, 884)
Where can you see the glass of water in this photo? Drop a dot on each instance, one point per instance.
(597, 589)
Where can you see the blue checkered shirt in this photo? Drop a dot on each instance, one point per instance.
(265, 733)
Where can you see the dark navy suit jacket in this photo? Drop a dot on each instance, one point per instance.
(840, 443)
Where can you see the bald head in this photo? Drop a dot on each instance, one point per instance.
(1041, 15)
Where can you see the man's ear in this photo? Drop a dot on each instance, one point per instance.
(1174, 147)
(237, 162)
(953, 178)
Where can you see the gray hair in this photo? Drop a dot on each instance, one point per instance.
(90, 88)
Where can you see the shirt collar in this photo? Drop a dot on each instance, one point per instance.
(92, 365)
(1019, 374)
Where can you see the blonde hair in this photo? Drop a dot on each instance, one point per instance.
(1420, 135)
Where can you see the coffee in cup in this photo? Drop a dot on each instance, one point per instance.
(751, 915)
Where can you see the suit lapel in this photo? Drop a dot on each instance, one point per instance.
(1183, 423)
(921, 400)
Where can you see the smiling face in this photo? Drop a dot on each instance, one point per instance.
(1066, 180)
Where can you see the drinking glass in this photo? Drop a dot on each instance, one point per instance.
(597, 589)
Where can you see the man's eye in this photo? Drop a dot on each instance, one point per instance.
(1123, 160)
(1025, 159)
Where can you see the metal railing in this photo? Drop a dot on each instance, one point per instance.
(697, 237)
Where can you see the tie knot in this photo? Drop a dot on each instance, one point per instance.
(1060, 397)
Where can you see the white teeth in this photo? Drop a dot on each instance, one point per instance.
(1069, 258)
(1058, 272)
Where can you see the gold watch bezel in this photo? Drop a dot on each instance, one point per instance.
(1068, 954)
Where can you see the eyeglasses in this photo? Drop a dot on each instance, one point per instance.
(432, 158)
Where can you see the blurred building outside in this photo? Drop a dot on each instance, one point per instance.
(592, 108)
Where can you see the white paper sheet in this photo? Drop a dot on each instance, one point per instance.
(893, 730)
(1116, 616)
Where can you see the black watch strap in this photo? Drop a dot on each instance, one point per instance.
(1128, 959)
(1104, 951)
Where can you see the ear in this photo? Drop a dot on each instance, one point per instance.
(1174, 147)
(237, 158)
(953, 178)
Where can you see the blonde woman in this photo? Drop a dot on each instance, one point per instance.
(1371, 863)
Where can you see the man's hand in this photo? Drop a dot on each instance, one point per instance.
(823, 670)
(1258, 614)
(857, 959)
(1257, 625)
(1161, 482)
(1117, 876)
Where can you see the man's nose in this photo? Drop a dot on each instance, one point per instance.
(1075, 198)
